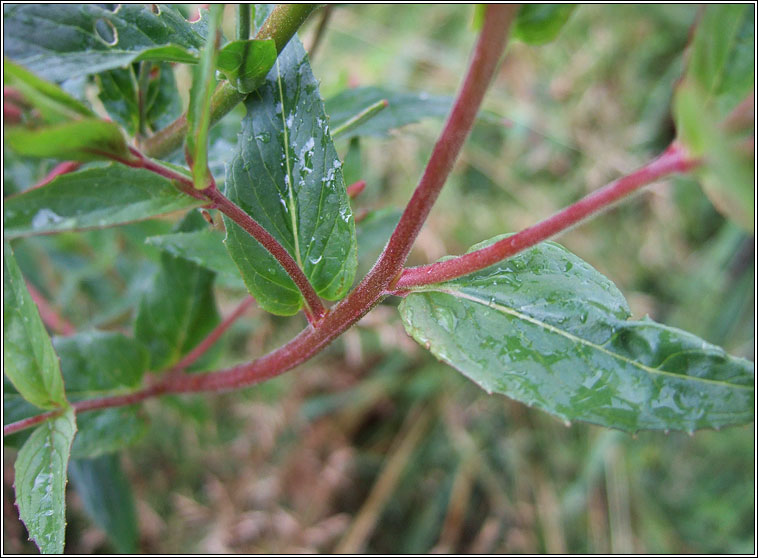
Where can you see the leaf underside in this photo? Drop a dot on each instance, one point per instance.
(548, 330)
(286, 175)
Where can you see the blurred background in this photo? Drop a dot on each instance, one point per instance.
(374, 446)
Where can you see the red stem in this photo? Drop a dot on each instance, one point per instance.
(59, 169)
(50, 315)
(213, 336)
(674, 159)
(28, 422)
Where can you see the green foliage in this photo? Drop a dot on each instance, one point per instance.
(107, 497)
(286, 175)
(720, 75)
(41, 481)
(29, 360)
(545, 328)
(537, 24)
(246, 63)
(92, 198)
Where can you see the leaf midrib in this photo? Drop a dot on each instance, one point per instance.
(582, 341)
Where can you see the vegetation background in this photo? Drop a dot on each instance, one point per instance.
(374, 445)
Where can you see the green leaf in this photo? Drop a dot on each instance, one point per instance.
(41, 482)
(93, 362)
(548, 330)
(118, 93)
(53, 104)
(287, 176)
(537, 24)
(164, 105)
(402, 109)
(92, 198)
(246, 63)
(204, 247)
(199, 112)
(87, 139)
(29, 361)
(107, 498)
(61, 41)
(178, 309)
(108, 431)
(719, 76)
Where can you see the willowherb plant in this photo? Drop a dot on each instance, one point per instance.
(516, 314)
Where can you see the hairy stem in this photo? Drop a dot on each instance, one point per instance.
(280, 26)
(673, 160)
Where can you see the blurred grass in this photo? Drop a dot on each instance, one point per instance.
(376, 447)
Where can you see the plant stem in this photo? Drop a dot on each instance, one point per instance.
(363, 116)
(243, 22)
(28, 422)
(280, 26)
(326, 15)
(673, 160)
(213, 336)
(314, 309)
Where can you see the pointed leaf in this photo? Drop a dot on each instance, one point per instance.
(178, 309)
(29, 361)
(61, 41)
(287, 176)
(87, 139)
(246, 63)
(92, 198)
(537, 24)
(164, 105)
(118, 93)
(107, 498)
(547, 329)
(41, 482)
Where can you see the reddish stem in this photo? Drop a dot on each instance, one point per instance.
(314, 309)
(674, 159)
(28, 422)
(49, 315)
(356, 188)
(214, 335)
(59, 169)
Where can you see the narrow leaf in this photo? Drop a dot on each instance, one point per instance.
(199, 112)
(402, 108)
(547, 329)
(246, 63)
(164, 105)
(62, 41)
(41, 482)
(178, 309)
(287, 176)
(118, 93)
(537, 24)
(92, 198)
(29, 361)
(87, 139)
(107, 498)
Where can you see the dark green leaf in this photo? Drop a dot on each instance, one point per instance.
(178, 309)
(87, 139)
(246, 63)
(403, 109)
(108, 431)
(118, 93)
(537, 24)
(99, 361)
(547, 329)
(204, 247)
(29, 361)
(719, 76)
(41, 482)
(199, 111)
(163, 102)
(287, 176)
(107, 498)
(61, 41)
(92, 198)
